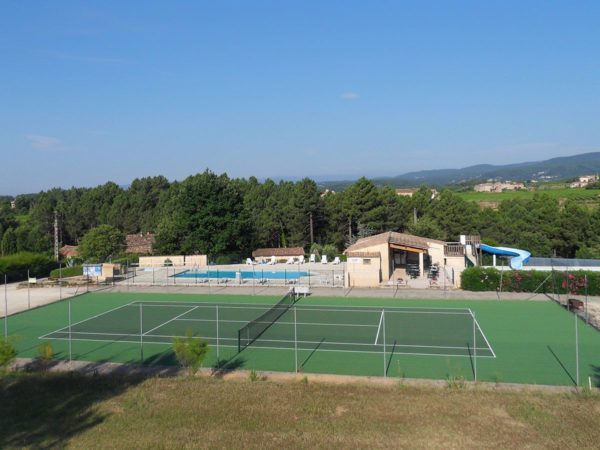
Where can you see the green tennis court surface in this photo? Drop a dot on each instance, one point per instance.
(502, 341)
(410, 330)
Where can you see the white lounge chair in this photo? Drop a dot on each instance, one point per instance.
(249, 262)
(301, 260)
(336, 260)
(291, 260)
(273, 261)
(324, 259)
(313, 258)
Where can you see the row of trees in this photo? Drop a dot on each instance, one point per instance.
(216, 215)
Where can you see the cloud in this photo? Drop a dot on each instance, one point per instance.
(86, 59)
(350, 96)
(45, 143)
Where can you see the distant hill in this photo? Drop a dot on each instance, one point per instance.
(550, 169)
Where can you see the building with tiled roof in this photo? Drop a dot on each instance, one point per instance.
(387, 256)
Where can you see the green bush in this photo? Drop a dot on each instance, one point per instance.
(7, 352)
(190, 351)
(15, 266)
(488, 279)
(46, 354)
(67, 272)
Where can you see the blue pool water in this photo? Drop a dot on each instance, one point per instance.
(245, 274)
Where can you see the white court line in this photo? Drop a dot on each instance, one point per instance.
(322, 308)
(279, 322)
(270, 340)
(90, 318)
(378, 328)
(168, 321)
(485, 338)
(284, 348)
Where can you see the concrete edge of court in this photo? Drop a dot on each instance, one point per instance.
(123, 369)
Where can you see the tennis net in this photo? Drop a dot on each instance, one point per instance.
(255, 328)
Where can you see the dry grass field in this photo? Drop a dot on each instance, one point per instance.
(61, 410)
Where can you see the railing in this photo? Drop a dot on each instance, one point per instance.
(474, 240)
(454, 249)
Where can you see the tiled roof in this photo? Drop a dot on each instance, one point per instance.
(285, 251)
(69, 251)
(391, 237)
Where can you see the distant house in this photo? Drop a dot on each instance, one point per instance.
(265, 254)
(140, 243)
(410, 192)
(583, 181)
(498, 187)
(69, 251)
(406, 192)
(326, 192)
(13, 204)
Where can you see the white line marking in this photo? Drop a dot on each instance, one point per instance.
(378, 328)
(93, 317)
(284, 348)
(323, 308)
(485, 338)
(281, 322)
(267, 340)
(170, 320)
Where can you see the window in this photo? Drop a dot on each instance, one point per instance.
(366, 261)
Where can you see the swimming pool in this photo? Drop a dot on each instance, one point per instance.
(258, 274)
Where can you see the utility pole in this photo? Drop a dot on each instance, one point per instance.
(56, 235)
(312, 234)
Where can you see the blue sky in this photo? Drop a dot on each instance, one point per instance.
(98, 91)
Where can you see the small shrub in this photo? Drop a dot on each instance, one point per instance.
(190, 351)
(455, 383)
(7, 353)
(255, 376)
(46, 354)
(304, 380)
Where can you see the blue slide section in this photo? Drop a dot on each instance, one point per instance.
(519, 257)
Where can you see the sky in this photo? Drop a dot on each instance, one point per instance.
(114, 90)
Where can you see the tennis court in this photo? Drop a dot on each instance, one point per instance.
(499, 341)
(410, 330)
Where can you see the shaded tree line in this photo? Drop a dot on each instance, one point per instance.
(214, 214)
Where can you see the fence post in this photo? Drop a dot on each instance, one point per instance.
(576, 349)
(141, 334)
(60, 281)
(217, 312)
(474, 346)
(5, 309)
(384, 348)
(586, 300)
(28, 294)
(295, 339)
(70, 333)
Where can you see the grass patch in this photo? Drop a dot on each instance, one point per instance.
(70, 410)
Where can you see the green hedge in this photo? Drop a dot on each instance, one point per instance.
(67, 272)
(488, 279)
(15, 266)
